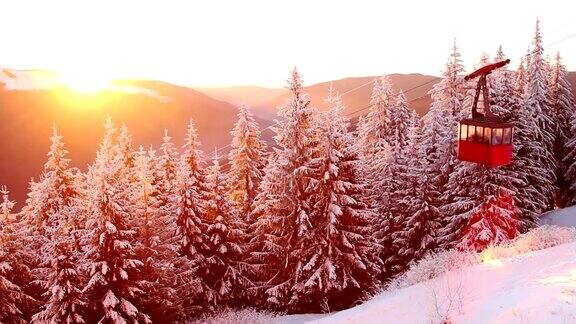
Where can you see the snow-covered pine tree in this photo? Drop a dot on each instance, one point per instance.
(172, 273)
(377, 124)
(12, 295)
(285, 202)
(191, 229)
(570, 160)
(439, 130)
(484, 60)
(440, 123)
(421, 227)
(110, 254)
(65, 303)
(520, 82)
(145, 204)
(147, 221)
(191, 222)
(224, 269)
(247, 160)
(389, 168)
(382, 135)
(338, 261)
(535, 136)
(494, 221)
(6, 206)
(13, 299)
(54, 191)
(562, 102)
(124, 148)
(504, 99)
(482, 208)
(167, 169)
(563, 106)
(402, 118)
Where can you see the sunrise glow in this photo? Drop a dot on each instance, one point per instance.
(84, 82)
(225, 43)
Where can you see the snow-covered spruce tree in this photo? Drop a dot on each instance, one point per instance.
(440, 123)
(145, 204)
(494, 221)
(171, 273)
(484, 60)
(375, 140)
(439, 132)
(6, 206)
(167, 169)
(382, 135)
(563, 106)
(124, 147)
(191, 229)
(285, 202)
(562, 102)
(377, 124)
(149, 249)
(570, 160)
(535, 100)
(110, 254)
(535, 132)
(520, 82)
(65, 303)
(480, 192)
(224, 269)
(338, 263)
(54, 191)
(13, 299)
(421, 227)
(389, 168)
(247, 161)
(504, 100)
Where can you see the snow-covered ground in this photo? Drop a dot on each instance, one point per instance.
(533, 287)
(565, 217)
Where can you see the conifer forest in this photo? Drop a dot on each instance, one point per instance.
(318, 220)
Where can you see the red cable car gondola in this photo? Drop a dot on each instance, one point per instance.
(485, 138)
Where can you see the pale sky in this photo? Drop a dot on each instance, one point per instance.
(220, 43)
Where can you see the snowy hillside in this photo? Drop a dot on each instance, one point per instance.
(565, 217)
(534, 287)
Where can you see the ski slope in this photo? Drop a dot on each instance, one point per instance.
(536, 287)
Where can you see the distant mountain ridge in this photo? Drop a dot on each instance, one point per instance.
(356, 93)
(354, 101)
(30, 101)
(237, 95)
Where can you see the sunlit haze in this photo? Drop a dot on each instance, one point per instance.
(221, 43)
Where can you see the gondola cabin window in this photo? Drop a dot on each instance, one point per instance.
(487, 142)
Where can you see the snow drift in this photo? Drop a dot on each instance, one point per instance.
(509, 284)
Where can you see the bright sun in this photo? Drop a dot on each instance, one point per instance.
(84, 81)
